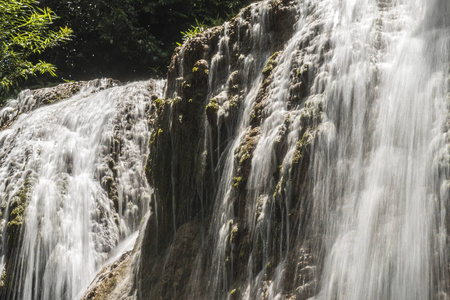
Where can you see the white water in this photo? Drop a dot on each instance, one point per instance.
(62, 153)
(377, 192)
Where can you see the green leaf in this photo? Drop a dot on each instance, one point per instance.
(24, 31)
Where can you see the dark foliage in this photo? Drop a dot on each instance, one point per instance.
(128, 39)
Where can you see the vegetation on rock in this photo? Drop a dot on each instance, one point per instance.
(271, 64)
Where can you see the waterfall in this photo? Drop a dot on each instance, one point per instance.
(380, 188)
(72, 177)
(330, 178)
(301, 151)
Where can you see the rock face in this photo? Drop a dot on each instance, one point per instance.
(112, 278)
(229, 160)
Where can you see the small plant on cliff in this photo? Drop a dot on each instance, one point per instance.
(193, 31)
(24, 34)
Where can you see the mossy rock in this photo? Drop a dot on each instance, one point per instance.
(301, 147)
(200, 70)
(18, 203)
(270, 64)
(239, 183)
(211, 111)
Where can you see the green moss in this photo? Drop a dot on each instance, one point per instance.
(211, 110)
(237, 182)
(153, 137)
(244, 157)
(17, 221)
(233, 102)
(270, 65)
(18, 212)
(109, 180)
(194, 69)
(158, 102)
(287, 120)
(305, 140)
(18, 204)
(234, 233)
(116, 219)
(245, 151)
(148, 170)
(297, 157)
(212, 105)
(176, 100)
(242, 252)
(155, 134)
(244, 248)
(277, 189)
(302, 70)
(252, 117)
(233, 292)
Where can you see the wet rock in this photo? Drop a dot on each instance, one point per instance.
(113, 281)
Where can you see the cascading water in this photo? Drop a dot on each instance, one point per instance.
(344, 128)
(71, 177)
(302, 153)
(386, 103)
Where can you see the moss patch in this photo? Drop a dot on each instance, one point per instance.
(270, 64)
(238, 182)
(300, 147)
(18, 204)
(211, 110)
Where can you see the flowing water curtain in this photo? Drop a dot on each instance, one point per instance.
(78, 171)
(380, 187)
